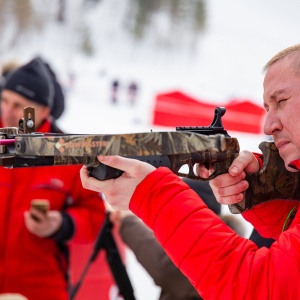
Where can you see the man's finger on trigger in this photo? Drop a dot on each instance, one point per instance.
(239, 164)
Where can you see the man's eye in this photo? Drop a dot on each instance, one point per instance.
(282, 100)
(18, 106)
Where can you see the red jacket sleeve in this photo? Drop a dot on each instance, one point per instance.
(219, 263)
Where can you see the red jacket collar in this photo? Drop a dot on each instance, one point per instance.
(45, 127)
(269, 217)
(295, 164)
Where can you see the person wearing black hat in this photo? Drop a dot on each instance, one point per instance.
(57, 105)
(29, 85)
(34, 246)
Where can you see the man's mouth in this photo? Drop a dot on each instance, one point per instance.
(281, 145)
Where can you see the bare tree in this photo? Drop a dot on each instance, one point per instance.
(16, 18)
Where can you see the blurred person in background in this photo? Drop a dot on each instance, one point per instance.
(34, 247)
(58, 105)
(115, 86)
(132, 93)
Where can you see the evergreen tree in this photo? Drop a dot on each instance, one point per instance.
(183, 17)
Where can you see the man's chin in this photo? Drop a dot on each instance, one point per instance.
(290, 155)
(291, 169)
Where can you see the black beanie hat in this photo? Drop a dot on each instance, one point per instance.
(32, 81)
(59, 96)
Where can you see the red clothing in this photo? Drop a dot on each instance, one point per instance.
(33, 266)
(219, 263)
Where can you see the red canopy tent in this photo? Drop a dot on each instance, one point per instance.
(179, 109)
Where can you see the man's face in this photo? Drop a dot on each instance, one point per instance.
(282, 102)
(12, 109)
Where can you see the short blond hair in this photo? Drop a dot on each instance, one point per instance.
(293, 51)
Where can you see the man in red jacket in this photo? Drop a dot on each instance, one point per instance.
(219, 263)
(34, 246)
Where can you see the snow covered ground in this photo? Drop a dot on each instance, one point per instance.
(241, 36)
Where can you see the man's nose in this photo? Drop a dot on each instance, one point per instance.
(272, 124)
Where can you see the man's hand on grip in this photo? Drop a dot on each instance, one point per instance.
(228, 188)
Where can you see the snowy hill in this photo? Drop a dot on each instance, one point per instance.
(241, 36)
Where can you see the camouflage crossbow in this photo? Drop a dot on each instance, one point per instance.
(23, 147)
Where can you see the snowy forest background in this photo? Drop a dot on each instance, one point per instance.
(209, 49)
